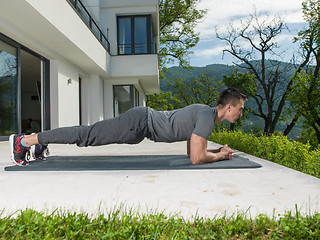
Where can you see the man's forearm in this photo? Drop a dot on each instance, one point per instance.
(198, 153)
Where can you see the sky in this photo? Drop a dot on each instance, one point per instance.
(221, 13)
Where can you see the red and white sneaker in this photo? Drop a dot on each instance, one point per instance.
(40, 151)
(20, 154)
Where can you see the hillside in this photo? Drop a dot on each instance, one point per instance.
(216, 71)
(213, 70)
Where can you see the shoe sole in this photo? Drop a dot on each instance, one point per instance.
(11, 141)
(33, 149)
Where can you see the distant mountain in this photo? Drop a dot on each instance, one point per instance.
(213, 70)
(217, 70)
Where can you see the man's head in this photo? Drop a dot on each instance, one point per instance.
(231, 100)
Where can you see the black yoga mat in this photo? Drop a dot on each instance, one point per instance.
(133, 162)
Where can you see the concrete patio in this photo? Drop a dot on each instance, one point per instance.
(271, 189)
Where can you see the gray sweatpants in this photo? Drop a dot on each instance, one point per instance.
(130, 127)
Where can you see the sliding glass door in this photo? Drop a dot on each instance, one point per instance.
(8, 89)
(24, 89)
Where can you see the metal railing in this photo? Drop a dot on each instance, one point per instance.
(90, 22)
(138, 48)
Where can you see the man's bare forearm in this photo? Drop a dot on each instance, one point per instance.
(198, 153)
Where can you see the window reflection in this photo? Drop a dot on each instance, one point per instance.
(125, 36)
(134, 35)
(8, 89)
(125, 97)
(140, 35)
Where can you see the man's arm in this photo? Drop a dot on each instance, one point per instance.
(198, 153)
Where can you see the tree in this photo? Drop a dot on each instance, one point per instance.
(242, 81)
(305, 91)
(271, 76)
(164, 101)
(305, 100)
(177, 36)
(203, 90)
(309, 40)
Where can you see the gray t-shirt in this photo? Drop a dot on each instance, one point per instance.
(178, 125)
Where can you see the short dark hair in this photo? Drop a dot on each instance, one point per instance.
(231, 95)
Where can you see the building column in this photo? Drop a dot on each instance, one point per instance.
(54, 94)
(95, 99)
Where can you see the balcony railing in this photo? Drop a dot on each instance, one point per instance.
(90, 22)
(138, 48)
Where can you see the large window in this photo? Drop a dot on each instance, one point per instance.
(24, 88)
(8, 89)
(134, 35)
(124, 98)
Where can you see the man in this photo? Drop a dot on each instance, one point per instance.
(33, 126)
(193, 123)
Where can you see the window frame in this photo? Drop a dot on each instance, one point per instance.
(134, 97)
(132, 25)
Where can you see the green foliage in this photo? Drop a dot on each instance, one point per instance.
(203, 90)
(305, 101)
(276, 148)
(308, 135)
(305, 90)
(243, 81)
(163, 101)
(310, 37)
(177, 36)
(30, 224)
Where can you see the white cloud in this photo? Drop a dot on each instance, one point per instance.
(207, 53)
(221, 13)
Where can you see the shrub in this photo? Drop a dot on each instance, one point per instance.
(276, 148)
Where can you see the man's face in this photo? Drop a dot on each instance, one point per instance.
(235, 112)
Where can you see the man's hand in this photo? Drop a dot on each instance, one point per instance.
(227, 151)
(198, 153)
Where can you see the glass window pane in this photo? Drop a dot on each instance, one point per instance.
(140, 35)
(121, 99)
(125, 43)
(8, 89)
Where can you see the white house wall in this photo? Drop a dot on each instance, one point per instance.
(65, 96)
(68, 97)
(144, 67)
(92, 56)
(52, 29)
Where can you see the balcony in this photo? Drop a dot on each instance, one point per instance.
(90, 22)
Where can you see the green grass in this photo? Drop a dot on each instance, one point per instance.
(30, 224)
(276, 148)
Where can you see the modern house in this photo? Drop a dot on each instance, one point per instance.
(72, 62)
